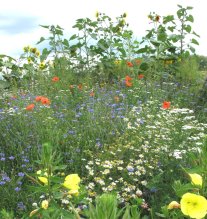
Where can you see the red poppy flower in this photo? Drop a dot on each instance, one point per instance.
(129, 64)
(55, 79)
(140, 76)
(30, 107)
(38, 98)
(45, 101)
(166, 105)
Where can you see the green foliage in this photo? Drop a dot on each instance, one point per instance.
(106, 206)
(6, 215)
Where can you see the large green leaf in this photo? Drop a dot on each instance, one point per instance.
(196, 34)
(156, 43)
(189, 8)
(65, 43)
(187, 28)
(45, 26)
(168, 18)
(94, 36)
(171, 28)
(41, 40)
(190, 18)
(180, 13)
(142, 50)
(162, 36)
(194, 41)
(74, 36)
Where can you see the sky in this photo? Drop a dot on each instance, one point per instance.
(20, 19)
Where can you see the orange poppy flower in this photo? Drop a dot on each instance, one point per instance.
(30, 107)
(92, 94)
(80, 86)
(138, 61)
(55, 79)
(128, 83)
(38, 98)
(166, 105)
(129, 64)
(128, 78)
(140, 76)
(45, 101)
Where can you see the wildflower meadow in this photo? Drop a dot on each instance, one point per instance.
(101, 125)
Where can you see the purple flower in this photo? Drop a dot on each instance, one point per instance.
(130, 169)
(26, 160)
(6, 178)
(21, 206)
(11, 158)
(20, 174)
(17, 189)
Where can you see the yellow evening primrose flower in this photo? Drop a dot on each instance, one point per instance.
(196, 179)
(73, 192)
(45, 204)
(173, 205)
(73, 178)
(194, 206)
(72, 183)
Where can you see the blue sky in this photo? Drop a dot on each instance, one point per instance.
(20, 20)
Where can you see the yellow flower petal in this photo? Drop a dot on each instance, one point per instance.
(69, 185)
(73, 192)
(173, 205)
(193, 205)
(196, 179)
(73, 178)
(45, 204)
(43, 180)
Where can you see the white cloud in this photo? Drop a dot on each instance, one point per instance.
(65, 12)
